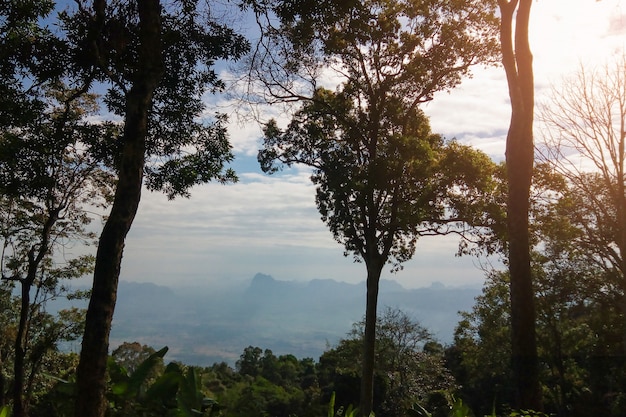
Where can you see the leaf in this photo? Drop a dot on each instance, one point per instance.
(164, 389)
(331, 406)
(120, 388)
(459, 409)
(418, 411)
(189, 396)
(138, 378)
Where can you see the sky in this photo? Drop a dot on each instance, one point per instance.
(225, 234)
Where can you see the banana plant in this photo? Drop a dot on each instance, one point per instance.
(176, 393)
(350, 411)
(457, 408)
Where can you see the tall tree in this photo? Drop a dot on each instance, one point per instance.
(585, 141)
(381, 176)
(156, 61)
(48, 170)
(379, 192)
(517, 59)
(48, 182)
(91, 371)
(577, 324)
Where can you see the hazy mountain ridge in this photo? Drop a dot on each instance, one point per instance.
(302, 318)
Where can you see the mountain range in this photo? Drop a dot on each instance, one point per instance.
(201, 326)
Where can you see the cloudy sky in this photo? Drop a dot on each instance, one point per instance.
(269, 224)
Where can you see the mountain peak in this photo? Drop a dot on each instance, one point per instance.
(261, 279)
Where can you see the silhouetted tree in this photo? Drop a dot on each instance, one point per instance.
(517, 60)
(157, 61)
(376, 163)
(381, 178)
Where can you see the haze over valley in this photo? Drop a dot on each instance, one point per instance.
(202, 326)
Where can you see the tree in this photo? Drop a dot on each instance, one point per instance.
(29, 55)
(584, 140)
(381, 177)
(576, 327)
(517, 60)
(378, 196)
(280, 386)
(156, 61)
(409, 367)
(249, 362)
(42, 353)
(49, 182)
(576, 377)
(131, 355)
(480, 356)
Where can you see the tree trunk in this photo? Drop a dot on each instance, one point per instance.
(3, 384)
(366, 400)
(19, 408)
(519, 163)
(621, 219)
(35, 256)
(91, 372)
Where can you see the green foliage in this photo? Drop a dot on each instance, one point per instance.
(417, 410)
(574, 330)
(376, 163)
(177, 391)
(131, 355)
(577, 305)
(280, 386)
(184, 147)
(405, 184)
(44, 355)
(29, 55)
(528, 413)
(130, 385)
(49, 185)
(409, 366)
(455, 407)
(349, 411)
(413, 47)
(452, 406)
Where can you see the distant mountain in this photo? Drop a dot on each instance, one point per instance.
(302, 318)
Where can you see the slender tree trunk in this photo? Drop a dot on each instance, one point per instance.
(35, 256)
(623, 313)
(19, 408)
(3, 384)
(519, 163)
(91, 372)
(366, 400)
(621, 215)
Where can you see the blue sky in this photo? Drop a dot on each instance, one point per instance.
(226, 234)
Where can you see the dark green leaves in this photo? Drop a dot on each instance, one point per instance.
(204, 159)
(184, 147)
(383, 178)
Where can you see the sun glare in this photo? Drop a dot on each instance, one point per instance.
(565, 33)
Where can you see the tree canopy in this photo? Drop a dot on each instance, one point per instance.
(383, 178)
(155, 61)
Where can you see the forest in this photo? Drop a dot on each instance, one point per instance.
(101, 100)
